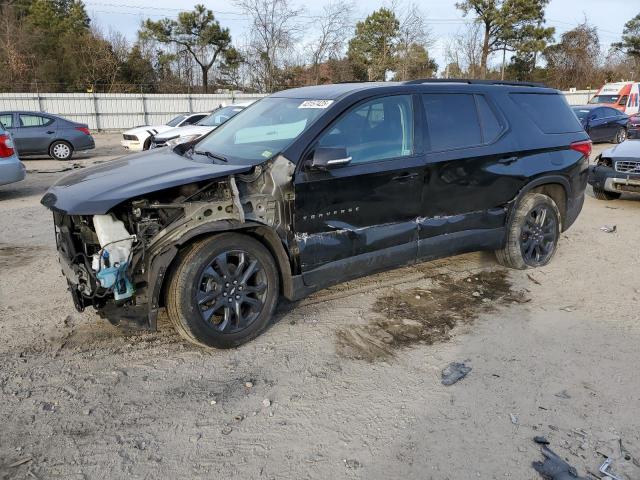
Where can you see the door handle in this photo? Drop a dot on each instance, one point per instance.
(404, 177)
(508, 160)
(51, 132)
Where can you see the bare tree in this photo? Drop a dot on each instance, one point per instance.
(465, 50)
(413, 35)
(334, 26)
(273, 32)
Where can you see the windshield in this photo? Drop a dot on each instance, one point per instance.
(263, 130)
(220, 116)
(581, 113)
(605, 99)
(175, 121)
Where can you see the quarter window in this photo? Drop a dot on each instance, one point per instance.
(7, 120)
(376, 130)
(491, 126)
(452, 120)
(34, 121)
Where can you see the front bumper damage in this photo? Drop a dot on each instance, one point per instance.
(606, 178)
(121, 273)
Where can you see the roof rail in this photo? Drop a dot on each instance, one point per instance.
(474, 82)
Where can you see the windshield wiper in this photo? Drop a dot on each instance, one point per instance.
(214, 156)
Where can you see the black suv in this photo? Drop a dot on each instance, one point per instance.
(314, 186)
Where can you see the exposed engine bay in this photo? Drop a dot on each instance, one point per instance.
(108, 259)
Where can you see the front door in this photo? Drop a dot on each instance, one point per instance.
(360, 217)
(34, 133)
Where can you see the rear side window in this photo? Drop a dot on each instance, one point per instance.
(549, 111)
(6, 119)
(34, 121)
(452, 120)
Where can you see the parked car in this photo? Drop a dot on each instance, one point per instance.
(36, 133)
(603, 124)
(139, 138)
(633, 127)
(318, 185)
(11, 169)
(616, 171)
(208, 124)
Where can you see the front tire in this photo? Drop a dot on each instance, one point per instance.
(223, 291)
(61, 150)
(601, 194)
(533, 233)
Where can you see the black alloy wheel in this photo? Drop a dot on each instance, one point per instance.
(231, 291)
(538, 236)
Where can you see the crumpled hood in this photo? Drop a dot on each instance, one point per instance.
(95, 190)
(184, 132)
(148, 130)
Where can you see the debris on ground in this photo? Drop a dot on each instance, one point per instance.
(454, 372)
(266, 403)
(73, 166)
(514, 419)
(604, 468)
(609, 228)
(352, 463)
(22, 461)
(555, 468)
(541, 440)
(530, 277)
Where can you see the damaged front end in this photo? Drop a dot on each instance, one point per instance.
(117, 260)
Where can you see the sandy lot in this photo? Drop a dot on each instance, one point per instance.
(553, 351)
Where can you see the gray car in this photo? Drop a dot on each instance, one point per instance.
(11, 169)
(36, 133)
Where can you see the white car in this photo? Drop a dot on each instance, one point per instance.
(139, 138)
(185, 134)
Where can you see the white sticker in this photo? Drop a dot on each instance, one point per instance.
(316, 104)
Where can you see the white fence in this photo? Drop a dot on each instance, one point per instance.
(120, 111)
(117, 111)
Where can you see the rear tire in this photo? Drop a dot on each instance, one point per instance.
(147, 144)
(532, 233)
(601, 194)
(223, 291)
(61, 150)
(621, 135)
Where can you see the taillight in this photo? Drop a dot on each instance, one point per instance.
(6, 146)
(583, 147)
(84, 130)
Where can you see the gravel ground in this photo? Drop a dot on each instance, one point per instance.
(554, 355)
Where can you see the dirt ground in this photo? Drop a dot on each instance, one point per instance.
(345, 384)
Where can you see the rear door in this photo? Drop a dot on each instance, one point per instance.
(600, 124)
(465, 187)
(360, 217)
(35, 133)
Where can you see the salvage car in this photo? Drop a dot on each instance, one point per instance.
(315, 186)
(616, 171)
(36, 133)
(11, 169)
(139, 138)
(208, 124)
(603, 124)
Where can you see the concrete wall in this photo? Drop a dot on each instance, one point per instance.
(120, 111)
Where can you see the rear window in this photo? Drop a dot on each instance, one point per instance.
(549, 111)
(452, 121)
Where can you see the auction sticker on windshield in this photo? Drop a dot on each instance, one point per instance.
(315, 104)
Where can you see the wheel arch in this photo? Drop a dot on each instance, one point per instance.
(554, 186)
(164, 263)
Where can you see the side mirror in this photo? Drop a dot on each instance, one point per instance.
(325, 158)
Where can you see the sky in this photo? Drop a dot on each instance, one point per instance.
(444, 19)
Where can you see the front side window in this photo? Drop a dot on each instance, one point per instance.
(6, 119)
(34, 121)
(452, 120)
(376, 130)
(260, 132)
(623, 100)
